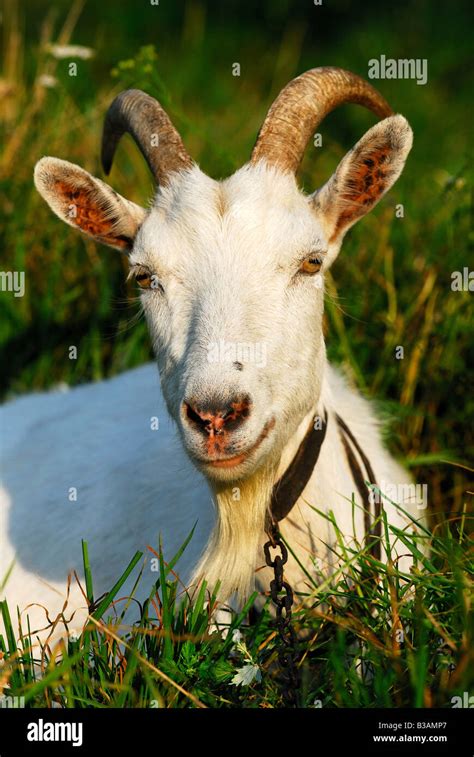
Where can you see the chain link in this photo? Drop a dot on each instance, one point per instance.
(287, 654)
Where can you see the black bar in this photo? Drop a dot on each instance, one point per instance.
(445, 731)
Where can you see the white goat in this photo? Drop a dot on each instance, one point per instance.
(227, 270)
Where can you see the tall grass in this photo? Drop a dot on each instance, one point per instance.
(369, 636)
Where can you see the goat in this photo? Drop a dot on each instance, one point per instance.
(224, 267)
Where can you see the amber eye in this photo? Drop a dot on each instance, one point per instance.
(143, 279)
(311, 265)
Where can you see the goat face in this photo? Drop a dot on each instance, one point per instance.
(232, 272)
(234, 316)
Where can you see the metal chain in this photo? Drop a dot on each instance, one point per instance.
(287, 654)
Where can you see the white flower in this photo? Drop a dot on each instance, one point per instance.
(246, 675)
(237, 636)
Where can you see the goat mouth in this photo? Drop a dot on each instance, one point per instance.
(233, 462)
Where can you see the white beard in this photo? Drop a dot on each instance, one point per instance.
(232, 552)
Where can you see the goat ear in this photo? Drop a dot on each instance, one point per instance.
(87, 203)
(363, 176)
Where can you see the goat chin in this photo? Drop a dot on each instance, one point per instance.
(231, 555)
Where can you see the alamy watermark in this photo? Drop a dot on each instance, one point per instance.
(9, 702)
(43, 730)
(465, 702)
(403, 494)
(238, 352)
(13, 281)
(400, 68)
(462, 281)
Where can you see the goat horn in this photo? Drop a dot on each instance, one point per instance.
(302, 105)
(142, 116)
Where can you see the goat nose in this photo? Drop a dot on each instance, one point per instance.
(213, 418)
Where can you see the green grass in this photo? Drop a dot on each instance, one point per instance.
(391, 287)
(369, 636)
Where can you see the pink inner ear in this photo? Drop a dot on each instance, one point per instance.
(364, 184)
(89, 216)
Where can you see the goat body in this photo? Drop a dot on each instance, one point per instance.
(239, 264)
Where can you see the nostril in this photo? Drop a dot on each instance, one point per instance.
(212, 418)
(194, 416)
(238, 411)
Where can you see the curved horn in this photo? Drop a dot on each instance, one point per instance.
(142, 116)
(302, 105)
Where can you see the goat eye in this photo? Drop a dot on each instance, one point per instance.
(311, 265)
(144, 279)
